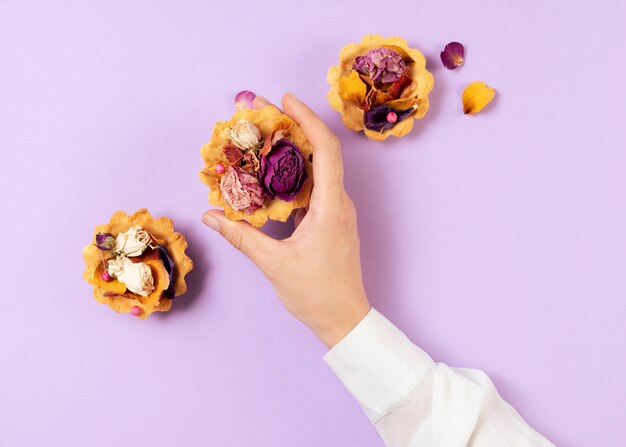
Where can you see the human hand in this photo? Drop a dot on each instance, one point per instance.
(316, 272)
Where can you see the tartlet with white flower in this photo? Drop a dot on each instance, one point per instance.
(137, 264)
(380, 86)
(258, 164)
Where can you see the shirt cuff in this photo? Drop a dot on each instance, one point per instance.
(378, 364)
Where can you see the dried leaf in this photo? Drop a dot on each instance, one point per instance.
(250, 162)
(233, 153)
(476, 96)
(280, 129)
(396, 89)
(352, 88)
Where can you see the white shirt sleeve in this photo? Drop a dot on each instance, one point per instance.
(414, 401)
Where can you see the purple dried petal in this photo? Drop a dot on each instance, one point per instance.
(105, 241)
(170, 267)
(232, 153)
(244, 99)
(452, 55)
(383, 117)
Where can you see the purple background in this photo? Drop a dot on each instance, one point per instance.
(495, 241)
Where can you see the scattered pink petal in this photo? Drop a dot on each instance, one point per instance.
(452, 55)
(244, 99)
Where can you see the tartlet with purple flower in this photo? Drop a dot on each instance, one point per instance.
(380, 86)
(137, 264)
(258, 164)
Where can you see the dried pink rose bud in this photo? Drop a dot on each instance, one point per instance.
(244, 99)
(452, 55)
(135, 310)
(106, 277)
(219, 169)
(241, 191)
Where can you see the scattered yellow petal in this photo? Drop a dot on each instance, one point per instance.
(352, 88)
(476, 96)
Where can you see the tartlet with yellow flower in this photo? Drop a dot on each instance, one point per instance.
(137, 264)
(380, 86)
(258, 164)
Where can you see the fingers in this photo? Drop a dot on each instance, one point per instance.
(327, 163)
(260, 102)
(252, 242)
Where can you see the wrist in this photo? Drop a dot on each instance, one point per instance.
(336, 328)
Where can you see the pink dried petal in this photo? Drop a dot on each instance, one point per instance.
(244, 99)
(452, 55)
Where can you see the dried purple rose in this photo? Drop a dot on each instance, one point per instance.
(105, 241)
(244, 99)
(383, 117)
(382, 65)
(241, 191)
(282, 171)
(452, 55)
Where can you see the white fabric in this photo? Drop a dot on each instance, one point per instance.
(414, 401)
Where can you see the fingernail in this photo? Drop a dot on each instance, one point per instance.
(293, 96)
(211, 221)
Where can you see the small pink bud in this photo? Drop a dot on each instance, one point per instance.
(392, 117)
(135, 310)
(106, 277)
(219, 168)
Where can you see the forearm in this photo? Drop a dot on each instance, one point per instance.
(415, 401)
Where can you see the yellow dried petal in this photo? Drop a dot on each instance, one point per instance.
(352, 88)
(161, 282)
(113, 286)
(476, 96)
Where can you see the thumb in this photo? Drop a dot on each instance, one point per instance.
(251, 241)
